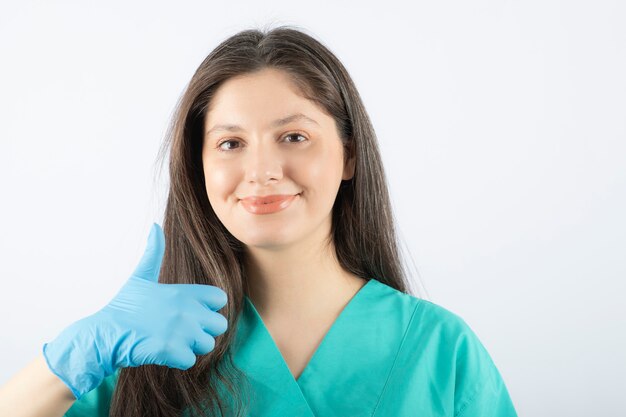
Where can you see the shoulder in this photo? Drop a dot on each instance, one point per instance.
(440, 350)
(444, 334)
(425, 316)
(430, 327)
(97, 402)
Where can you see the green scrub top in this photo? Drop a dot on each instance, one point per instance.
(388, 354)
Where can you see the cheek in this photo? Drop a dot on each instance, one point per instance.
(319, 176)
(220, 182)
(318, 171)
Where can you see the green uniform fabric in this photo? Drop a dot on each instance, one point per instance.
(388, 354)
(96, 402)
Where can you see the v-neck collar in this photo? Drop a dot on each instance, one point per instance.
(328, 335)
(347, 371)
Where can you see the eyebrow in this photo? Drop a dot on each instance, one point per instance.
(276, 123)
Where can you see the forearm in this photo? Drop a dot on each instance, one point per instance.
(35, 392)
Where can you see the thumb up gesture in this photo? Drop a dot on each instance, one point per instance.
(145, 323)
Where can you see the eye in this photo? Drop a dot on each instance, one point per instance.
(292, 134)
(295, 134)
(219, 145)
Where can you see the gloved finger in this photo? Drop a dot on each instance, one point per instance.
(181, 358)
(212, 322)
(149, 266)
(211, 296)
(203, 343)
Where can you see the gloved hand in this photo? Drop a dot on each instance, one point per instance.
(147, 322)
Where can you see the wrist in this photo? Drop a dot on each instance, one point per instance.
(73, 358)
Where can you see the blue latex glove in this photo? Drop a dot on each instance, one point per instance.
(147, 322)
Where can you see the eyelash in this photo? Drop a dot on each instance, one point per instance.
(233, 140)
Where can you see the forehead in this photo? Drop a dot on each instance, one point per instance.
(265, 95)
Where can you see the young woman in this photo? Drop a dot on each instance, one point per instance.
(278, 215)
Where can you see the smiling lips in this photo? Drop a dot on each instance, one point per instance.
(267, 204)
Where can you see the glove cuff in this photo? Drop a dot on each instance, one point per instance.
(71, 359)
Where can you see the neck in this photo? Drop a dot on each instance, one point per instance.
(303, 281)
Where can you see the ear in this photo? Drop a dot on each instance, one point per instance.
(348, 168)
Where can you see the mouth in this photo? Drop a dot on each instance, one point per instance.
(268, 204)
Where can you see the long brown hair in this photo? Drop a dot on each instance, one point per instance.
(200, 250)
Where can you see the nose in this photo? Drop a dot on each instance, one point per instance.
(263, 163)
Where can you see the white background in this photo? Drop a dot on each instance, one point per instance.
(503, 130)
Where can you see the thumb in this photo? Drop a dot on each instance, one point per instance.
(150, 264)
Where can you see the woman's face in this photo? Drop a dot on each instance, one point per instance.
(260, 157)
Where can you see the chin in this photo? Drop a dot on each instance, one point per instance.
(268, 238)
